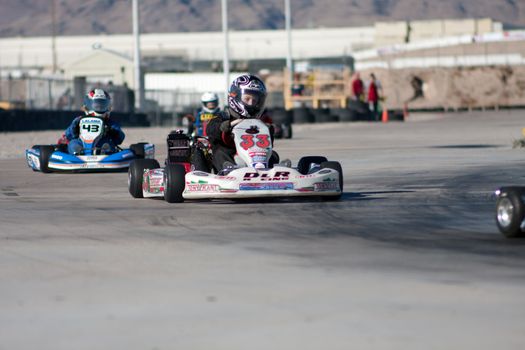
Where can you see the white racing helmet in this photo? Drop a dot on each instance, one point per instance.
(210, 102)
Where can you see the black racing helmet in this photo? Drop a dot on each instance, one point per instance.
(247, 96)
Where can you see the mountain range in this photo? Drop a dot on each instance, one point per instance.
(91, 17)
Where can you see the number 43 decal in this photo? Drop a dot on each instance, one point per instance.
(91, 127)
(248, 142)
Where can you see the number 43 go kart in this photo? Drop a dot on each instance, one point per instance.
(49, 158)
(253, 176)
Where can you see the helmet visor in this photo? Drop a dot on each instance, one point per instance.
(99, 105)
(211, 104)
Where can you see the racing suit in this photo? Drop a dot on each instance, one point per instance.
(198, 127)
(221, 140)
(112, 137)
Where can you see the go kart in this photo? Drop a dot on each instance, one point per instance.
(510, 211)
(252, 175)
(49, 158)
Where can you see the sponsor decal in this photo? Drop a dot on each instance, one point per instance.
(200, 173)
(325, 171)
(207, 117)
(326, 186)
(255, 154)
(202, 188)
(259, 159)
(56, 156)
(253, 129)
(259, 165)
(265, 186)
(278, 176)
(127, 155)
(226, 178)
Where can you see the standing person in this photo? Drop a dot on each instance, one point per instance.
(209, 110)
(374, 88)
(246, 99)
(358, 88)
(97, 103)
(297, 90)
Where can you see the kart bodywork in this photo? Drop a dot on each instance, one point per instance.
(251, 177)
(49, 158)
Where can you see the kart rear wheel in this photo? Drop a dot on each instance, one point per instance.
(287, 131)
(174, 183)
(45, 153)
(337, 167)
(304, 164)
(510, 212)
(136, 174)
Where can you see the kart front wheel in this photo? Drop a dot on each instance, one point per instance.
(305, 163)
(174, 182)
(136, 175)
(138, 149)
(510, 212)
(337, 167)
(45, 154)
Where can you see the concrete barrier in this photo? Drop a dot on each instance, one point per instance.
(29, 120)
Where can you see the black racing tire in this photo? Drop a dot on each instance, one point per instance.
(287, 131)
(322, 115)
(136, 174)
(45, 154)
(278, 132)
(510, 212)
(303, 166)
(337, 167)
(174, 183)
(345, 115)
(138, 149)
(280, 115)
(303, 115)
(274, 159)
(199, 162)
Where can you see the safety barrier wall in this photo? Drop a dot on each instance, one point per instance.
(28, 120)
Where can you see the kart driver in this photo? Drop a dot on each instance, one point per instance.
(246, 99)
(97, 103)
(209, 110)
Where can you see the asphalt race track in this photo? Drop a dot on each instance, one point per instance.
(409, 258)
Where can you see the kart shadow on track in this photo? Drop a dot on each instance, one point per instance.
(345, 197)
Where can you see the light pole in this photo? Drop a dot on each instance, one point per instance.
(139, 89)
(288, 26)
(226, 57)
(53, 36)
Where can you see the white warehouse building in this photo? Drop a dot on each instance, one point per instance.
(187, 51)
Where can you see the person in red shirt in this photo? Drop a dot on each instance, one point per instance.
(373, 96)
(358, 88)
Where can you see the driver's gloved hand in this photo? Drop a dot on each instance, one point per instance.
(225, 126)
(111, 132)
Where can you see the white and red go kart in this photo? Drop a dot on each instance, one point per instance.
(251, 177)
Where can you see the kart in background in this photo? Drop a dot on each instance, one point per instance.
(510, 211)
(49, 158)
(253, 176)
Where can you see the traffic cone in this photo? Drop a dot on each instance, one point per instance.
(384, 117)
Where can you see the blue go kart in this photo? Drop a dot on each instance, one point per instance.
(50, 158)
